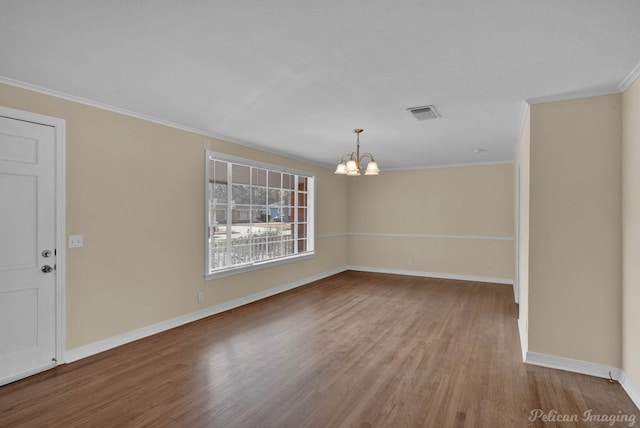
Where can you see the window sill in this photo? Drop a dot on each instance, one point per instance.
(258, 265)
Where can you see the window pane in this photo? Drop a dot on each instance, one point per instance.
(302, 199)
(302, 245)
(241, 174)
(219, 173)
(258, 195)
(217, 253)
(275, 214)
(288, 181)
(240, 245)
(302, 183)
(275, 179)
(241, 194)
(287, 246)
(302, 215)
(275, 247)
(287, 197)
(274, 197)
(259, 244)
(219, 191)
(241, 216)
(259, 177)
(218, 217)
(287, 214)
(302, 231)
(258, 214)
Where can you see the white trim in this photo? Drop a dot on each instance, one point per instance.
(524, 339)
(332, 235)
(431, 236)
(587, 93)
(258, 265)
(630, 388)
(631, 77)
(571, 365)
(19, 376)
(224, 157)
(523, 121)
(122, 339)
(59, 126)
(452, 165)
(516, 279)
(415, 235)
(475, 278)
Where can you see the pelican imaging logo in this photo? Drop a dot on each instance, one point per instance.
(587, 416)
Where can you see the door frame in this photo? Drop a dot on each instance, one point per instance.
(516, 282)
(59, 126)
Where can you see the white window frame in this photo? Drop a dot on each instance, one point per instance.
(310, 244)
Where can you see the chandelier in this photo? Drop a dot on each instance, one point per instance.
(355, 163)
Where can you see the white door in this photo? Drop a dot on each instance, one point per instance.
(27, 247)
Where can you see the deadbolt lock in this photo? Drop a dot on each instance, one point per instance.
(46, 253)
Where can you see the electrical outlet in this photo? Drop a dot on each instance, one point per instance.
(410, 262)
(200, 297)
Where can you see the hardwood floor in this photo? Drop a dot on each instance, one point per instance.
(356, 349)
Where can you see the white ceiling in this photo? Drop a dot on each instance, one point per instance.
(295, 77)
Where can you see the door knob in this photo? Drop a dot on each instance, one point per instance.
(46, 269)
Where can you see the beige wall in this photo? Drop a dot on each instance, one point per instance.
(456, 220)
(631, 232)
(135, 192)
(575, 229)
(523, 163)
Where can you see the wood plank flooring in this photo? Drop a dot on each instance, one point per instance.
(353, 350)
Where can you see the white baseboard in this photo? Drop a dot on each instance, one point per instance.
(121, 339)
(497, 280)
(524, 338)
(630, 388)
(571, 365)
(587, 368)
(13, 378)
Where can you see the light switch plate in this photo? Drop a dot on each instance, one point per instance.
(75, 241)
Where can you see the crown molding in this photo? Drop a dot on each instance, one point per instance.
(523, 121)
(453, 165)
(631, 77)
(586, 93)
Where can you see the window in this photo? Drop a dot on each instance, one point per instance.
(257, 214)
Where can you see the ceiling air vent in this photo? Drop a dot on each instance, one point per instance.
(424, 112)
